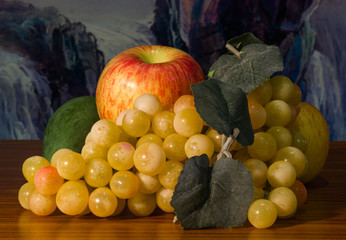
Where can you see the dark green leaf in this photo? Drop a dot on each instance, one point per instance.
(245, 39)
(217, 196)
(224, 108)
(256, 64)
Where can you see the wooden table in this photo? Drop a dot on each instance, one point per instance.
(322, 217)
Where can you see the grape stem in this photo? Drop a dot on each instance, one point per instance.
(226, 144)
(233, 50)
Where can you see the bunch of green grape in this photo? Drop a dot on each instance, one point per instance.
(276, 158)
(134, 161)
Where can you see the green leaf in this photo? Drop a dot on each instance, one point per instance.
(224, 108)
(212, 197)
(245, 39)
(256, 64)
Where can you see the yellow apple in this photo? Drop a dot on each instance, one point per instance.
(311, 123)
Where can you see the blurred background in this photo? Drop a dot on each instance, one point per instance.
(54, 50)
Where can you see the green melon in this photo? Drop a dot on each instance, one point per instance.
(69, 125)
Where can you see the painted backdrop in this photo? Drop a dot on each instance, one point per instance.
(54, 50)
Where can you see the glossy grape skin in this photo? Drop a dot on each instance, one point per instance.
(148, 184)
(282, 88)
(215, 137)
(162, 124)
(120, 156)
(295, 157)
(300, 191)
(284, 200)
(23, 194)
(187, 122)
(72, 197)
(136, 123)
(31, 165)
(296, 97)
(104, 132)
(262, 213)
(148, 103)
(258, 171)
(47, 180)
(121, 204)
(258, 115)
(102, 202)
(56, 156)
(264, 146)
(163, 199)
(278, 113)
(199, 144)
(124, 184)
(281, 174)
(98, 172)
(142, 205)
(71, 166)
(262, 94)
(92, 150)
(299, 141)
(174, 147)
(282, 135)
(183, 102)
(149, 158)
(168, 177)
(41, 204)
(149, 137)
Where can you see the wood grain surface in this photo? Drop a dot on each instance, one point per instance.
(322, 217)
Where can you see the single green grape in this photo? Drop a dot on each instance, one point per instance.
(23, 194)
(162, 124)
(120, 156)
(284, 200)
(98, 172)
(104, 132)
(264, 146)
(142, 205)
(149, 158)
(72, 197)
(282, 135)
(71, 166)
(148, 184)
(41, 204)
(282, 88)
(262, 213)
(163, 199)
(262, 94)
(31, 165)
(258, 115)
(102, 202)
(168, 177)
(149, 137)
(136, 123)
(293, 155)
(258, 171)
(174, 147)
(188, 122)
(124, 184)
(199, 144)
(148, 103)
(281, 174)
(278, 113)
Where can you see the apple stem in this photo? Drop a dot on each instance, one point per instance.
(233, 50)
(226, 144)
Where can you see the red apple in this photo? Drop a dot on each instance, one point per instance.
(163, 71)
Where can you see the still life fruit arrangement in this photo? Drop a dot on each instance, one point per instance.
(239, 145)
